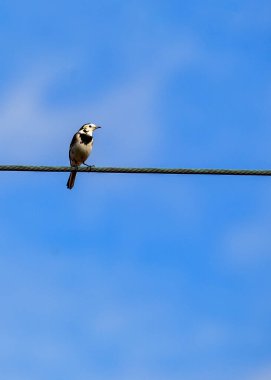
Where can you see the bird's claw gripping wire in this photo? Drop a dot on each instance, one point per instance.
(89, 166)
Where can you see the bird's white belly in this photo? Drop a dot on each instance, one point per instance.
(79, 153)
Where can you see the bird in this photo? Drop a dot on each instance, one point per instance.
(80, 148)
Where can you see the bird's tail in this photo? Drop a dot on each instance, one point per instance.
(71, 180)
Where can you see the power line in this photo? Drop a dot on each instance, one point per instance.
(94, 169)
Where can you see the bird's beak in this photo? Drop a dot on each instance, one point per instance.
(97, 126)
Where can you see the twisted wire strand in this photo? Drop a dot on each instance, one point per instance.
(94, 169)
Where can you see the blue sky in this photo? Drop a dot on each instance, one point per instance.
(134, 276)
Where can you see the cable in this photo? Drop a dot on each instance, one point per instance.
(94, 169)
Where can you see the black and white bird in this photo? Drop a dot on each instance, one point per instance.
(80, 149)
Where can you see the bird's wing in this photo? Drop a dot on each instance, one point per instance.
(74, 139)
(73, 142)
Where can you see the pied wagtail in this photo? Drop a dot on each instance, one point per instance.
(80, 149)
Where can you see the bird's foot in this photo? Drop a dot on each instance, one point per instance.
(89, 166)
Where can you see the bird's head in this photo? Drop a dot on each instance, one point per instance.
(88, 129)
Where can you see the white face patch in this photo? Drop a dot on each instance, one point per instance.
(88, 128)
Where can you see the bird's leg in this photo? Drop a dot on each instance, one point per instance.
(89, 166)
